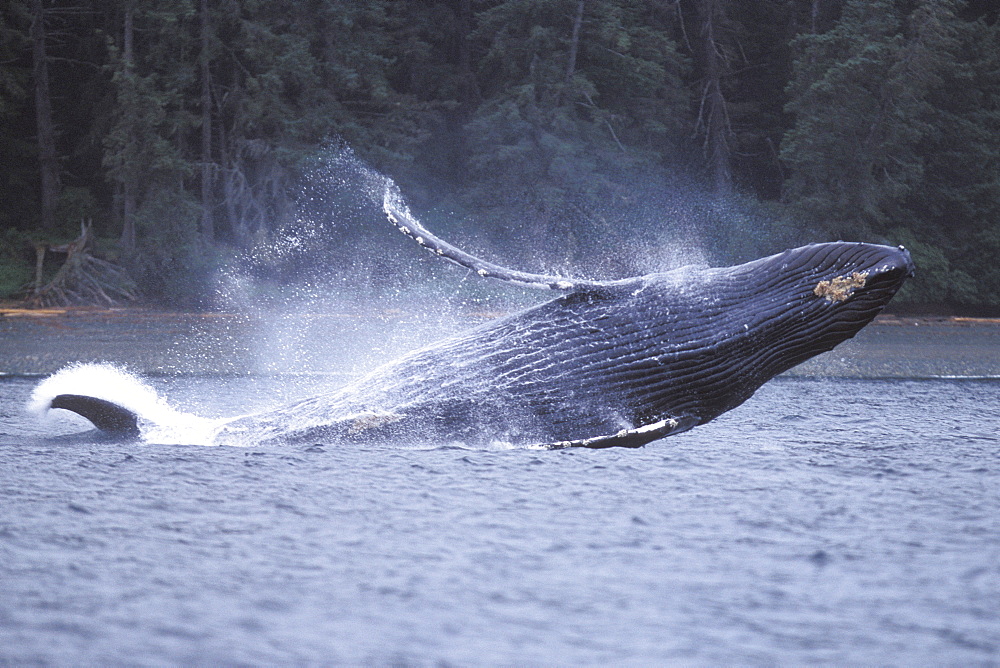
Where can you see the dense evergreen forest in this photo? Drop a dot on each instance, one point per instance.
(572, 134)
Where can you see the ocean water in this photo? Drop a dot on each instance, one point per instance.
(844, 521)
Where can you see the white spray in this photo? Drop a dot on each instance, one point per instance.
(158, 421)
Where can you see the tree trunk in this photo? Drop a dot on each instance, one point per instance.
(227, 175)
(47, 157)
(82, 279)
(470, 90)
(714, 116)
(574, 43)
(207, 222)
(128, 192)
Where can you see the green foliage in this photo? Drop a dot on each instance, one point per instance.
(897, 136)
(171, 266)
(76, 205)
(17, 151)
(851, 148)
(936, 281)
(570, 113)
(13, 79)
(956, 207)
(16, 268)
(578, 122)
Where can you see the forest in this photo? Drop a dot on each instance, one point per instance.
(144, 143)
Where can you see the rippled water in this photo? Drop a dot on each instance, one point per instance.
(844, 521)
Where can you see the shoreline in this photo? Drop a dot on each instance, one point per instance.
(352, 341)
(15, 310)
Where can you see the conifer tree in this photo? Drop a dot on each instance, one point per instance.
(896, 138)
(183, 126)
(576, 95)
(17, 154)
(850, 150)
(48, 156)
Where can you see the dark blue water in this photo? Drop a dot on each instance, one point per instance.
(825, 521)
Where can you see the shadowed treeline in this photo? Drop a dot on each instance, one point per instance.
(589, 137)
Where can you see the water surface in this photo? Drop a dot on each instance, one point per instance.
(850, 521)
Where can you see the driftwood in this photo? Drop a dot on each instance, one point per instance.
(83, 279)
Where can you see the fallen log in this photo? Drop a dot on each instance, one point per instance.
(83, 279)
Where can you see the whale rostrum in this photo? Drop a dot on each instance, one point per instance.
(605, 363)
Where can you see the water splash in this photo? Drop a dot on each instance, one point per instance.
(159, 422)
(334, 290)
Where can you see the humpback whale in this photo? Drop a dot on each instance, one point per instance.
(603, 364)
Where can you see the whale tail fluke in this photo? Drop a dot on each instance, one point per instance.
(120, 405)
(107, 416)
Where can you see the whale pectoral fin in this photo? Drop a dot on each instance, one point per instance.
(629, 438)
(107, 416)
(411, 227)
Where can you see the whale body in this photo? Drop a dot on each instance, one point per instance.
(606, 363)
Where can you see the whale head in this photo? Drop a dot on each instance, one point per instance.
(734, 328)
(807, 300)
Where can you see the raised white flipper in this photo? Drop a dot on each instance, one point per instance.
(411, 227)
(628, 438)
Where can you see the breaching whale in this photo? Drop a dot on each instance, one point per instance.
(606, 363)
